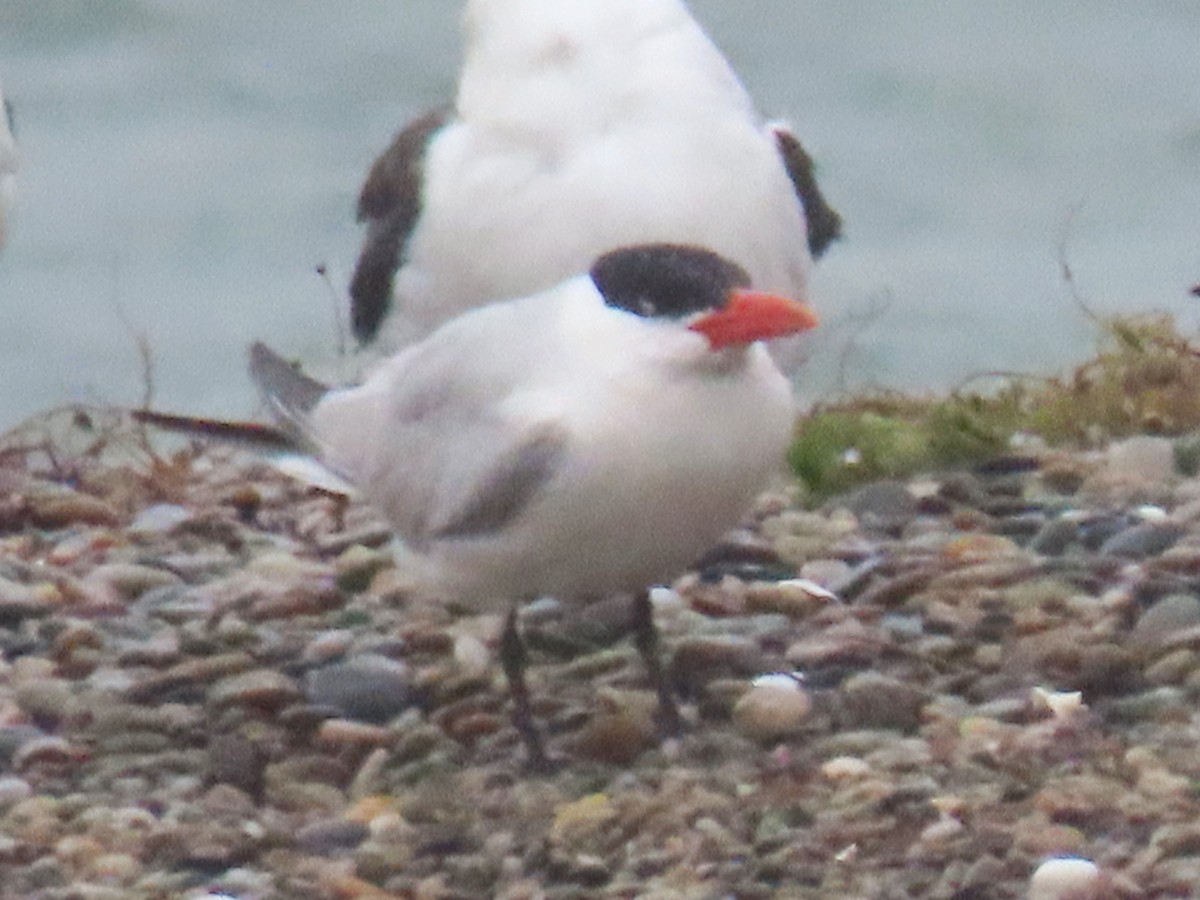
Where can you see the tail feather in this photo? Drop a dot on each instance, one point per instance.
(290, 394)
(275, 443)
(263, 438)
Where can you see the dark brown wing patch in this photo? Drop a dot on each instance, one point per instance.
(824, 223)
(389, 204)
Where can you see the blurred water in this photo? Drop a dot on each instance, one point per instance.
(188, 163)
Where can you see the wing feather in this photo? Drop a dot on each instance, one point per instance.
(389, 204)
(824, 222)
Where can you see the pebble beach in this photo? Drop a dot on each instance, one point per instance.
(216, 682)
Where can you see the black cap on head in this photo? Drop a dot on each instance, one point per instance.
(666, 280)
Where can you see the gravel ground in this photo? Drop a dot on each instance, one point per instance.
(216, 682)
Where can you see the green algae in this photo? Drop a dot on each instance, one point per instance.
(1144, 379)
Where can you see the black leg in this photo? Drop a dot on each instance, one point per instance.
(645, 638)
(513, 657)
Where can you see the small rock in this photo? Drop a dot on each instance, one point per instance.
(1053, 538)
(574, 821)
(699, 660)
(845, 768)
(1174, 668)
(775, 707)
(191, 673)
(115, 869)
(1144, 540)
(796, 598)
(19, 602)
(259, 688)
(131, 581)
(1177, 839)
(1139, 460)
(831, 574)
(358, 565)
(875, 701)
(47, 701)
(63, 509)
(622, 728)
(14, 737)
(159, 519)
(331, 837)
(339, 733)
(13, 790)
(1161, 622)
(329, 645)
(848, 642)
(472, 655)
(1062, 878)
(883, 506)
(235, 761)
(370, 688)
(45, 751)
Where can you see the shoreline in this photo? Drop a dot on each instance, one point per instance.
(215, 679)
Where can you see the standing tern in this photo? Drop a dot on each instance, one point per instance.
(594, 438)
(578, 127)
(8, 165)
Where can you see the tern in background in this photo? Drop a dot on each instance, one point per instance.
(578, 127)
(590, 439)
(8, 165)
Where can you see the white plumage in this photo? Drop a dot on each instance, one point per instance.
(8, 166)
(558, 444)
(578, 127)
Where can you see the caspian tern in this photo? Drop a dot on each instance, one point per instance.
(594, 438)
(578, 127)
(8, 165)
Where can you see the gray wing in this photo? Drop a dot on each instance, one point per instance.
(389, 204)
(447, 471)
(500, 490)
(288, 393)
(824, 223)
(433, 437)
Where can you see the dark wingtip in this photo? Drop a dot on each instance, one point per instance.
(824, 222)
(389, 203)
(371, 287)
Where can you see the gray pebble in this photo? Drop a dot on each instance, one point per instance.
(885, 505)
(871, 700)
(1144, 540)
(1055, 537)
(13, 790)
(1161, 622)
(14, 737)
(332, 837)
(369, 688)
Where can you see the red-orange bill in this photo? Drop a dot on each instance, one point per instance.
(751, 316)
